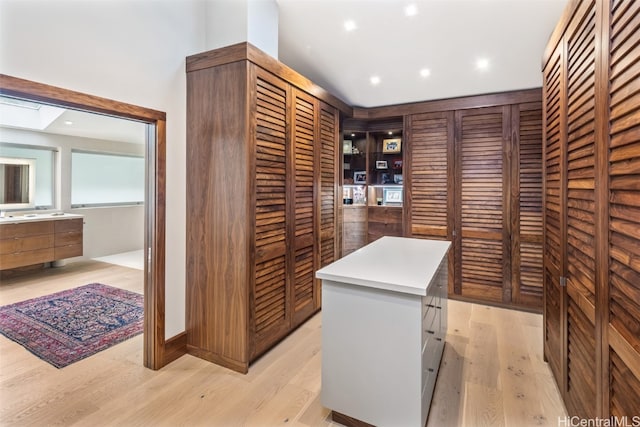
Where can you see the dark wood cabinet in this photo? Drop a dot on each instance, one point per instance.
(262, 202)
(37, 241)
(384, 221)
(592, 208)
(475, 178)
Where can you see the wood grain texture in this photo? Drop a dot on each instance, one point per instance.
(37, 242)
(217, 208)
(246, 51)
(21, 88)
(526, 204)
(554, 153)
(261, 220)
(330, 203)
(383, 221)
(480, 154)
(477, 101)
(622, 317)
(591, 206)
(354, 224)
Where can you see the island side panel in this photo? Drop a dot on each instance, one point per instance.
(371, 354)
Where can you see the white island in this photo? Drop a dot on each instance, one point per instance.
(384, 323)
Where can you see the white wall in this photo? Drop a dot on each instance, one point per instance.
(107, 230)
(126, 50)
(234, 21)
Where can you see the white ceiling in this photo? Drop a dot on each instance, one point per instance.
(445, 36)
(48, 119)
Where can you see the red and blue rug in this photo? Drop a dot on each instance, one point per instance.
(68, 326)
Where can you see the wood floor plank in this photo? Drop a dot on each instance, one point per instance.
(479, 382)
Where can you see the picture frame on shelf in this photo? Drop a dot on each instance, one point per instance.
(386, 178)
(397, 164)
(347, 146)
(381, 164)
(360, 177)
(392, 196)
(391, 145)
(397, 178)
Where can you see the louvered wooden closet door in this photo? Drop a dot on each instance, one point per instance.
(580, 211)
(553, 249)
(624, 210)
(271, 312)
(430, 145)
(304, 146)
(482, 241)
(329, 202)
(527, 207)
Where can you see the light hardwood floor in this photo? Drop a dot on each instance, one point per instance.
(492, 374)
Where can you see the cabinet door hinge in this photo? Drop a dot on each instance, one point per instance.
(563, 281)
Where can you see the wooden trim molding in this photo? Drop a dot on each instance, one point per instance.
(246, 51)
(154, 287)
(174, 348)
(461, 103)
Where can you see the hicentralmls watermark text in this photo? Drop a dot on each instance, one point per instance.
(623, 421)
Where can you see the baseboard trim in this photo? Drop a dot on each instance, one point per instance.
(348, 421)
(174, 348)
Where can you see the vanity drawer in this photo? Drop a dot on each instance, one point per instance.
(22, 229)
(20, 259)
(24, 244)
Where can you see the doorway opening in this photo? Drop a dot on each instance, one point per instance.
(155, 171)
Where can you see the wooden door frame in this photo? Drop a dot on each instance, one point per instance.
(154, 259)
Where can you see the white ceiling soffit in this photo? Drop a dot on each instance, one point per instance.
(27, 115)
(48, 119)
(90, 125)
(419, 50)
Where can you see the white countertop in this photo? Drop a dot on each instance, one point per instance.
(7, 219)
(398, 264)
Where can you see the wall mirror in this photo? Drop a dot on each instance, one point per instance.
(17, 183)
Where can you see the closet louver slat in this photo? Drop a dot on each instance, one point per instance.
(304, 124)
(581, 350)
(553, 241)
(270, 286)
(528, 261)
(328, 185)
(480, 157)
(599, 346)
(624, 207)
(431, 142)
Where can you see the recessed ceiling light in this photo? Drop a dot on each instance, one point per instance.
(411, 10)
(425, 72)
(353, 134)
(350, 25)
(482, 64)
(390, 133)
(68, 122)
(375, 80)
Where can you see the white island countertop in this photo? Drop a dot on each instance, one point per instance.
(398, 264)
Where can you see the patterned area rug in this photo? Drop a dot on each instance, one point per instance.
(68, 326)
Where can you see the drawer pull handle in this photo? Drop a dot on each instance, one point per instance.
(439, 308)
(430, 305)
(438, 339)
(430, 332)
(430, 369)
